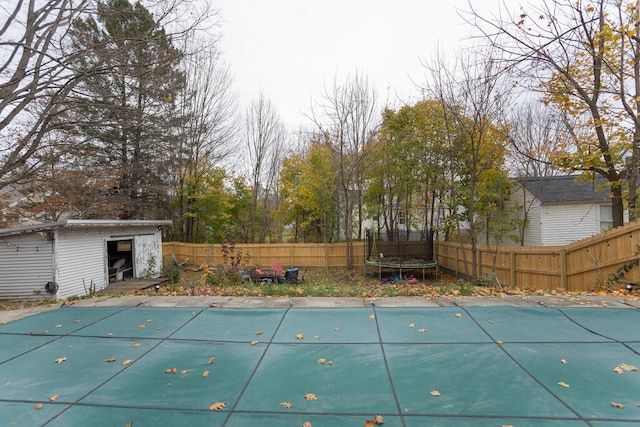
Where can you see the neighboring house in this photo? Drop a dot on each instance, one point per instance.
(559, 210)
(57, 260)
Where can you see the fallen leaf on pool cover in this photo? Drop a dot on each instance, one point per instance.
(38, 406)
(422, 330)
(61, 359)
(136, 345)
(259, 333)
(142, 326)
(129, 424)
(337, 329)
(126, 362)
(563, 361)
(310, 396)
(205, 374)
(148, 320)
(499, 342)
(322, 361)
(369, 423)
(77, 321)
(58, 326)
(109, 360)
(210, 361)
(373, 316)
(286, 405)
(184, 371)
(306, 424)
(563, 384)
(458, 314)
(217, 406)
(254, 342)
(412, 325)
(617, 405)
(435, 393)
(171, 370)
(378, 419)
(618, 370)
(300, 336)
(54, 397)
(627, 367)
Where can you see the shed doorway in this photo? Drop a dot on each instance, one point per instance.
(120, 259)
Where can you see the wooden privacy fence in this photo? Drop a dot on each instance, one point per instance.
(311, 255)
(579, 266)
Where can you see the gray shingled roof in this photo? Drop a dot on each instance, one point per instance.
(557, 189)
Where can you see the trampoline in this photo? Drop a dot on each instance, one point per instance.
(447, 366)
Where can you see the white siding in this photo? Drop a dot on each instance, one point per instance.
(148, 254)
(25, 266)
(80, 261)
(566, 223)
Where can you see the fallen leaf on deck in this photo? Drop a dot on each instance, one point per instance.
(217, 406)
(310, 396)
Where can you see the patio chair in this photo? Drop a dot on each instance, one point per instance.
(290, 276)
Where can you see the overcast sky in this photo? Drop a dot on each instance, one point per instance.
(291, 49)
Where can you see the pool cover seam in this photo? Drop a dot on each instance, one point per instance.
(125, 368)
(55, 337)
(387, 368)
(255, 368)
(525, 370)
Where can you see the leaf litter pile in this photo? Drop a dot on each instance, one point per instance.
(353, 283)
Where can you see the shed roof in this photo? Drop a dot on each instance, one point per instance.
(562, 189)
(82, 223)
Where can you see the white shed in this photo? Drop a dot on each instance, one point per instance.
(57, 260)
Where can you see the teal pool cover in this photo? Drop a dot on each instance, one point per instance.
(448, 366)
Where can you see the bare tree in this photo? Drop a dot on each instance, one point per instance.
(36, 79)
(474, 100)
(584, 56)
(346, 117)
(535, 132)
(264, 136)
(205, 139)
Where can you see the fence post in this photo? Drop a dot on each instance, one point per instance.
(512, 261)
(563, 269)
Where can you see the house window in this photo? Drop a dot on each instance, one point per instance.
(606, 217)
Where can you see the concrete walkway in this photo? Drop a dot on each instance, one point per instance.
(321, 302)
